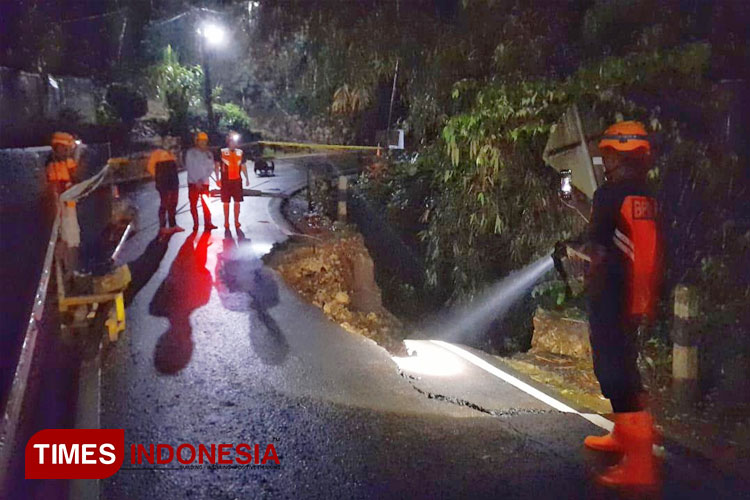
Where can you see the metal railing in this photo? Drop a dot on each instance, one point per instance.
(13, 408)
(14, 404)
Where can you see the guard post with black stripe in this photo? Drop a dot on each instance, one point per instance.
(685, 338)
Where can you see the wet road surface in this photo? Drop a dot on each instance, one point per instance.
(219, 350)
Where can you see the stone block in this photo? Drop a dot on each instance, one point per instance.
(366, 295)
(555, 333)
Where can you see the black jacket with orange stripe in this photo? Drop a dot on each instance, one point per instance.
(626, 248)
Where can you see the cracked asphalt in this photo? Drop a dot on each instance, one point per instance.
(219, 350)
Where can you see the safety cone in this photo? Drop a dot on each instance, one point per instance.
(638, 466)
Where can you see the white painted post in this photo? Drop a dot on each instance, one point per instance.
(685, 344)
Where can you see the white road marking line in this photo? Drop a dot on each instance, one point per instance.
(597, 420)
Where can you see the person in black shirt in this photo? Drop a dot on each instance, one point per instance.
(162, 165)
(614, 349)
(622, 285)
(622, 282)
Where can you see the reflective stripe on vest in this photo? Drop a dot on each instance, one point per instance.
(637, 237)
(623, 243)
(231, 160)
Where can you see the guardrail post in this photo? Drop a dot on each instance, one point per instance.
(685, 345)
(309, 190)
(343, 185)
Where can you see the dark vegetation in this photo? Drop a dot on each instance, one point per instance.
(478, 85)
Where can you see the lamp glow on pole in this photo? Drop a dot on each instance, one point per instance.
(213, 36)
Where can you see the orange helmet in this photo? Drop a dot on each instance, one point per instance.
(201, 136)
(62, 138)
(627, 137)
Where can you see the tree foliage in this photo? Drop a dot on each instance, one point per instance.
(232, 117)
(480, 113)
(179, 86)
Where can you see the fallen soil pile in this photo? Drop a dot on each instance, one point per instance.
(335, 272)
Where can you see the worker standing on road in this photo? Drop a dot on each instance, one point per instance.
(230, 165)
(623, 282)
(162, 164)
(199, 163)
(61, 170)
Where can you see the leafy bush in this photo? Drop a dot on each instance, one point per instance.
(232, 117)
(497, 206)
(180, 88)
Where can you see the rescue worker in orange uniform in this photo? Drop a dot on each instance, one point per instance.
(61, 170)
(162, 165)
(623, 285)
(230, 167)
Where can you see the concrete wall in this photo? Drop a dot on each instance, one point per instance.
(28, 101)
(22, 176)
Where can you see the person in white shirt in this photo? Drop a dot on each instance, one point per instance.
(199, 163)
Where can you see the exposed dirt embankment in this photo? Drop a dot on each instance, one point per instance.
(560, 358)
(335, 272)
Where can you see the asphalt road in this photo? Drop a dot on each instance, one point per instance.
(219, 350)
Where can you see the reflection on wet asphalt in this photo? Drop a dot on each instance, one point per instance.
(243, 284)
(186, 288)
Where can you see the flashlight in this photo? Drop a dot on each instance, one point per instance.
(566, 188)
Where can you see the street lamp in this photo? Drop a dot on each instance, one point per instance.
(213, 33)
(214, 36)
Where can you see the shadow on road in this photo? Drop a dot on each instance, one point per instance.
(186, 288)
(244, 284)
(144, 267)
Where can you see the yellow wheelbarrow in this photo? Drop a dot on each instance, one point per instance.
(107, 293)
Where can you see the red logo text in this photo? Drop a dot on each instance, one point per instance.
(204, 454)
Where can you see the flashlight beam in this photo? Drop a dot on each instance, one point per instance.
(473, 319)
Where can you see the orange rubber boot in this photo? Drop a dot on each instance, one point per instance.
(637, 467)
(612, 442)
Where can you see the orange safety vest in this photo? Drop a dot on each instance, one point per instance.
(231, 162)
(156, 157)
(59, 171)
(58, 174)
(637, 236)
